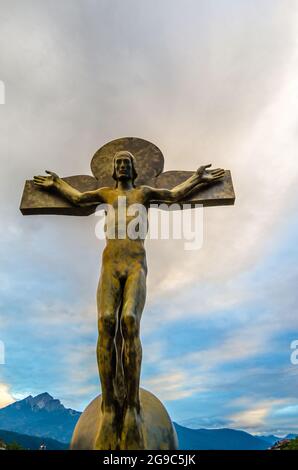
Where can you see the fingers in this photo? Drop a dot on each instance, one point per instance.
(44, 181)
(40, 178)
(52, 174)
(38, 182)
(202, 168)
(218, 172)
(217, 177)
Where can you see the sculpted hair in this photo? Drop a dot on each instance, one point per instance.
(125, 153)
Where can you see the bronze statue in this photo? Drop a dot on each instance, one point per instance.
(122, 291)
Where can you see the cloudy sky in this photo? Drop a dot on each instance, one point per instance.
(206, 81)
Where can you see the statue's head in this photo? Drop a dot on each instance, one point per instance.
(124, 166)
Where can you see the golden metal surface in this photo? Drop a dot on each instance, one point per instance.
(158, 430)
(149, 163)
(124, 418)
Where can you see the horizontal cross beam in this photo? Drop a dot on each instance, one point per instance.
(36, 201)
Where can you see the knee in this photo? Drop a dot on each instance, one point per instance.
(130, 325)
(107, 324)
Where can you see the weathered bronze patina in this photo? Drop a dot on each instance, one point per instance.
(129, 168)
(149, 165)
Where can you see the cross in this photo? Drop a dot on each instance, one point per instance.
(137, 167)
(150, 163)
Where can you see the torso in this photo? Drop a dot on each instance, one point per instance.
(119, 245)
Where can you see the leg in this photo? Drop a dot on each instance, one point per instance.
(133, 303)
(134, 296)
(108, 299)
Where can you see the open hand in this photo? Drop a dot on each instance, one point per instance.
(46, 182)
(208, 176)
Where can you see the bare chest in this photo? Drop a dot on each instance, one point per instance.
(125, 199)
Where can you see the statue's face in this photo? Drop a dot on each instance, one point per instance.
(123, 168)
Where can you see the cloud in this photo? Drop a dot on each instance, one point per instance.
(171, 386)
(5, 395)
(255, 416)
(291, 410)
(206, 82)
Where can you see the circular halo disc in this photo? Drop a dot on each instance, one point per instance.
(149, 160)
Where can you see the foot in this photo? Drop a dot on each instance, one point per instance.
(107, 437)
(132, 431)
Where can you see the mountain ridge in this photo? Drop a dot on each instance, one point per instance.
(46, 417)
(41, 415)
(217, 439)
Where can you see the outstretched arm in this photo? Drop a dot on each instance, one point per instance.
(53, 182)
(198, 180)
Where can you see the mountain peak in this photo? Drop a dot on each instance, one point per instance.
(40, 415)
(43, 401)
(44, 395)
(46, 401)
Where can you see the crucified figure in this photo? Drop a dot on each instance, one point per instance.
(121, 295)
